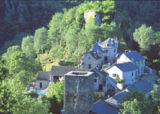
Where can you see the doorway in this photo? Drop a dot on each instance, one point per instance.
(105, 59)
(40, 85)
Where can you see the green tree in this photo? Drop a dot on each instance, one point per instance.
(131, 107)
(145, 37)
(7, 99)
(155, 100)
(28, 105)
(40, 40)
(28, 46)
(56, 90)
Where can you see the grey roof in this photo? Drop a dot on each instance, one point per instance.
(61, 70)
(142, 85)
(126, 67)
(134, 55)
(107, 43)
(94, 55)
(101, 107)
(42, 75)
(110, 106)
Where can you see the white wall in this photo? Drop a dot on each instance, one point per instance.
(44, 84)
(114, 70)
(139, 64)
(127, 76)
(123, 59)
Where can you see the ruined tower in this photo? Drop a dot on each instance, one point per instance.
(93, 14)
(78, 92)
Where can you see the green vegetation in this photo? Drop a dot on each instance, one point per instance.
(60, 40)
(135, 102)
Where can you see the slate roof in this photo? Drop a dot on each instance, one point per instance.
(61, 70)
(101, 107)
(110, 106)
(42, 75)
(126, 67)
(134, 55)
(143, 85)
(95, 55)
(97, 48)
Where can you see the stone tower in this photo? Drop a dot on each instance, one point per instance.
(78, 92)
(93, 14)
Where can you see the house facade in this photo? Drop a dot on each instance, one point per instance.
(102, 53)
(56, 73)
(135, 58)
(125, 71)
(90, 60)
(42, 81)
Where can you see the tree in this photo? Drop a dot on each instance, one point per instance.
(134, 94)
(155, 100)
(40, 40)
(55, 94)
(131, 107)
(7, 99)
(56, 90)
(144, 36)
(135, 103)
(28, 105)
(28, 46)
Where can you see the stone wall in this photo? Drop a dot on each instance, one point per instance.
(78, 94)
(93, 14)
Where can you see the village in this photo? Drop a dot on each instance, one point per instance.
(102, 73)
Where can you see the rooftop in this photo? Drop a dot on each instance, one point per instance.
(134, 55)
(61, 70)
(126, 67)
(42, 75)
(79, 73)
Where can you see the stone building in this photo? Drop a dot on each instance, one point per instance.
(42, 81)
(134, 57)
(93, 14)
(57, 72)
(90, 60)
(102, 53)
(78, 92)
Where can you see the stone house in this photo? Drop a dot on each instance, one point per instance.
(102, 53)
(90, 60)
(126, 71)
(58, 72)
(134, 57)
(110, 49)
(42, 80)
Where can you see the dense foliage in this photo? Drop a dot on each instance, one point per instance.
(64, 39)
(136, 102)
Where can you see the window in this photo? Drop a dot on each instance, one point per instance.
(89, 57)
(89, 66)
(114, 75)
(74, 97)
(95, 80)
(100, 87)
